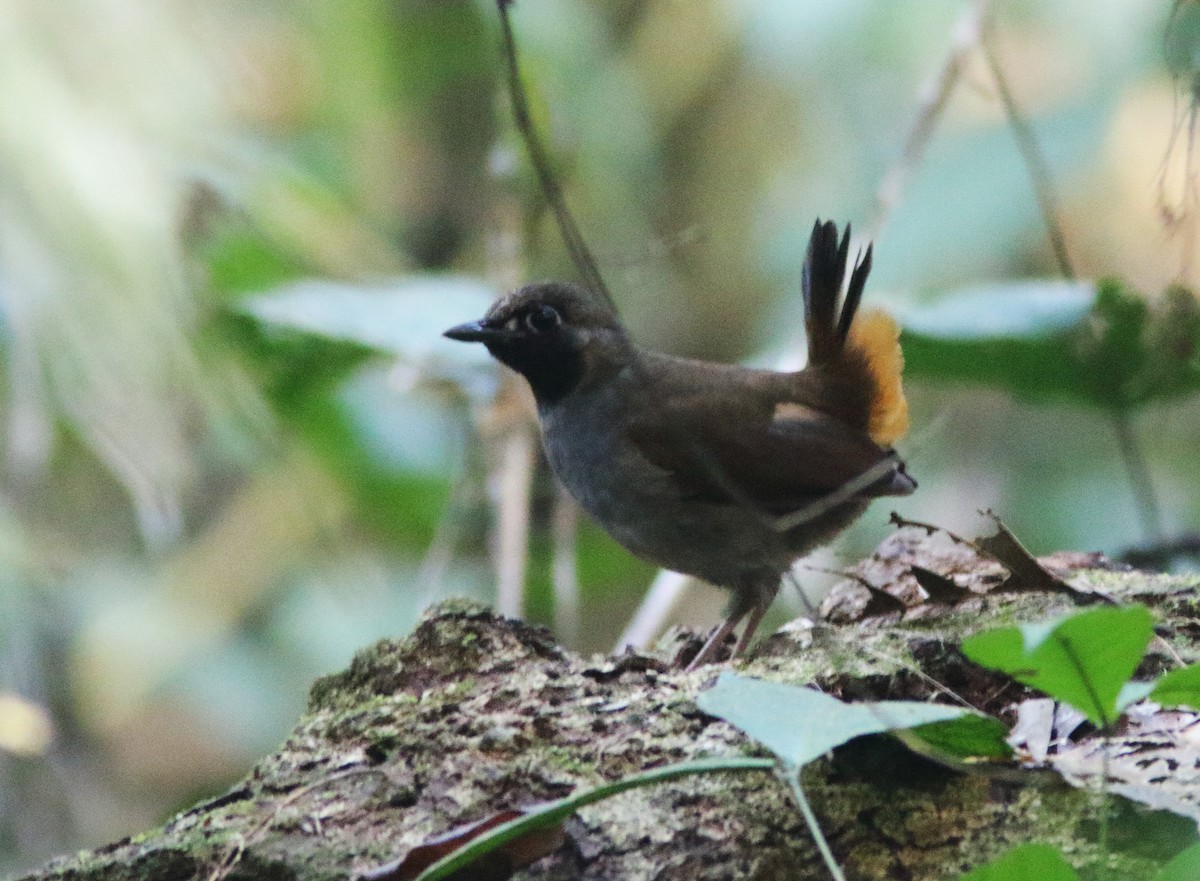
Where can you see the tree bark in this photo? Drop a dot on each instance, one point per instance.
(473, 714)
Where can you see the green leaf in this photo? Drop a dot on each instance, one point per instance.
(403, 318)
(1179, 688)
(801, 724)
(1109, 346)
(559, 810)
(1083, 660)
(1172, 341)
(1010, 336)
(1016, 310)
(1185, 866)
(240, 259)
(966, 739)
(1101, 344)
(1029, 862)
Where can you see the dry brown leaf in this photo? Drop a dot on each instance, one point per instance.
(1025, 572)
(497, 865)
(939, 588)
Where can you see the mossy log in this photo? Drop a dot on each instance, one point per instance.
(473, 714)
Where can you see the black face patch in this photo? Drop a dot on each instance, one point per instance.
(551, 360)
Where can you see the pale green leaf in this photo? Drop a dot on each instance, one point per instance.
(800, 724)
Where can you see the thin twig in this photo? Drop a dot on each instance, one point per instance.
(585, 263)
(1139, 476)
(1181, 217)
(1035, 161)
(811, 612)
(967, 33)
(669, 585)
(508, 422)
(826, 503)
(1039, 175)
(1170, 650)
(581, 256)
(910, 667)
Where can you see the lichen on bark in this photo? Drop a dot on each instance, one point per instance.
(472, 714)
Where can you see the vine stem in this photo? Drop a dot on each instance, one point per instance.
(932, 106)
(1039, 175)
(1139, 476)
(1035, 161)
(791, 775)
(581, 255)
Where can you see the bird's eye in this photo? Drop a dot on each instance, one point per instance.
(543, 318)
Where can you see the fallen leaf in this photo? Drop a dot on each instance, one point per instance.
(938, 588)
(496, 865)
(1025, 572)
(881, 603)
(1154, 760)
(1035, 728)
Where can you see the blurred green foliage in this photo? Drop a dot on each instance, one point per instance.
(1102, 345)
(236, 449)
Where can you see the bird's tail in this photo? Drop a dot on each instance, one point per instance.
(859, 357)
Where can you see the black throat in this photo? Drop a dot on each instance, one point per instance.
(552, 367)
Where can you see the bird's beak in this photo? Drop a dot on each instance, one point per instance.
(475, 332)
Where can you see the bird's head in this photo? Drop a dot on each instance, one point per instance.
(555, 334)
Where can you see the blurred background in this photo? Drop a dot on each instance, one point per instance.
(235, 448)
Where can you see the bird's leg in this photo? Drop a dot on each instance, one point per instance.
(758, 596)
(757, 611)
(713, 643)
(753, 600)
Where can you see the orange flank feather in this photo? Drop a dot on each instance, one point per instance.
(876, 336)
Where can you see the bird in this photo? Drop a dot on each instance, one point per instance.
(726, 473)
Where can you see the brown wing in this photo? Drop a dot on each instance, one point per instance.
(731, 436)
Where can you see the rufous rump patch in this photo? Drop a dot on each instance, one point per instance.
(877, 336)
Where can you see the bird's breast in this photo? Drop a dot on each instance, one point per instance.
(585, 445)
(639, 503)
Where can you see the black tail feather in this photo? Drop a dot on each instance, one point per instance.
(824, 270)
(854, 292)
